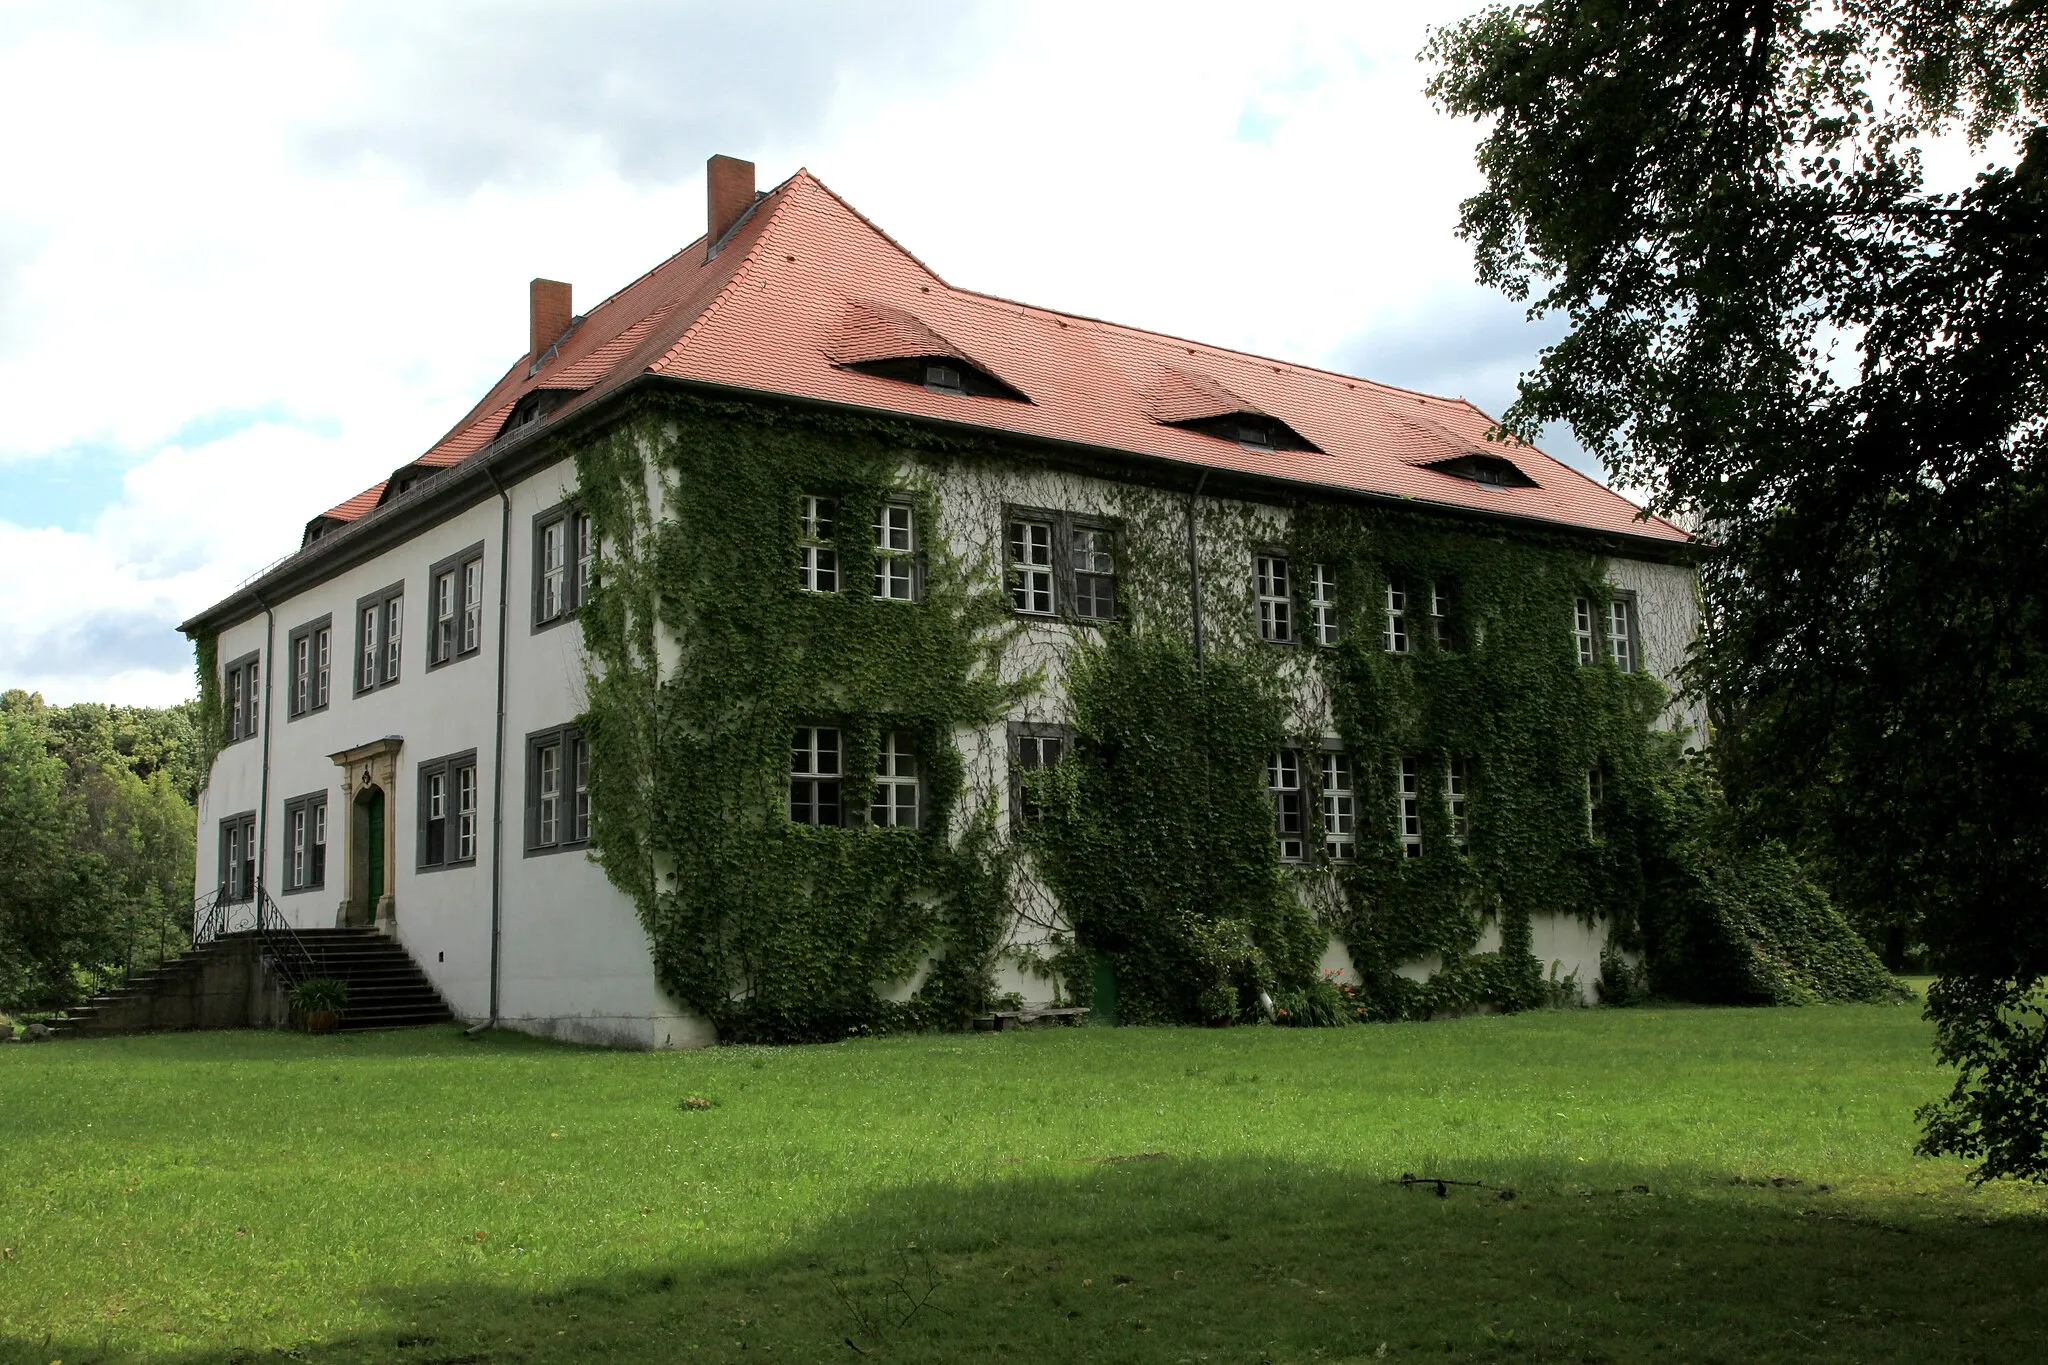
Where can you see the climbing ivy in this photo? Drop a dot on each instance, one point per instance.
(707, 656)
(212, 724)
(1153, 860)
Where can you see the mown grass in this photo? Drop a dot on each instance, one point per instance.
(1702, 1184)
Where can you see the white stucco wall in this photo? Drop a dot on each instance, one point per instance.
(575, 962)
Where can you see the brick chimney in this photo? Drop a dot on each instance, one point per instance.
(728, 193)
(549, 315)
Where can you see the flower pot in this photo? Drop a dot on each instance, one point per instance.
(321, 1021)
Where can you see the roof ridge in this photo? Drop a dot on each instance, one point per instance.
(740, 271)
(872, 226)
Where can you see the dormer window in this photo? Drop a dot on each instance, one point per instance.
(942, 378)
(1493, 471)
(938, 374)
(1255, 436)
(1251, 430)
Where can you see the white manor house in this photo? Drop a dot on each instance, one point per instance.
(399, 701)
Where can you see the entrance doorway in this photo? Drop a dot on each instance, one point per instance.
(368, 856)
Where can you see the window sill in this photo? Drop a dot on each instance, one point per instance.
(302, 890)
(434, 665)
(453, 864)
(543, 850)
(309, 711)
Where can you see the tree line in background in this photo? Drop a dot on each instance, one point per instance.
(96, 844)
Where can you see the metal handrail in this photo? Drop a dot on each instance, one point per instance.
(282, 947)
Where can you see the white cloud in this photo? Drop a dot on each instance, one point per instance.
(324, 216)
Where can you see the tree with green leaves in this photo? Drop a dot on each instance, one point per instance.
(1784, 334)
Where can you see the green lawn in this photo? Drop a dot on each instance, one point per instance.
(1703, 1184)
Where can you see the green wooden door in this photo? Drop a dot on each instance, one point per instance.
(373, 881)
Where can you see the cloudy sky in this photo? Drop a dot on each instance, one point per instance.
(254, 256)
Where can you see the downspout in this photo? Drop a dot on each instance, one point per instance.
(1195, 570)
(263, 788)
(498, 745)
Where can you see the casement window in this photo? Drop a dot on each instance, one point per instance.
(816, 771)
(238, 857)
(380, 619)
(817, 557)
(1454, 801)
(1030, 566)
(1396, 638)
(1033, 748)
(1443, 595)
(1275, 592)
(447, 811)
(896, 552)
(557, 793)
(1094, 567)
(309, 656)
(1408, 805)
(564, 564)
(1622, 644)
(305, 843)
(896, 783)
(457, 603)
(242, 682)
(1596, 802)
(1340, 808)
(1322, 604)
(1283, 784)
(1582, 630)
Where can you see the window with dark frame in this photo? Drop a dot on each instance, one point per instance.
(817, 554)
(456, 600)
(1290, 825)
(309, 657)
(242, 681)
(564, 565)
(1033, 748)
(379, 619)
(816, 772)
(1340, 807)
(1275, 592)
(305, 843)
(238, 857)
(897, 784)
(896, 552)
(557, 792)
(447, 811)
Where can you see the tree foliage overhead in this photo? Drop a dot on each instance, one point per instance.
(1840, 373)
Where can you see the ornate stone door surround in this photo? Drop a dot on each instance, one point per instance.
(372, 765)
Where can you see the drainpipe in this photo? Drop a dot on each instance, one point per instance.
(263, 789)
(1195, 570)
(498, 745)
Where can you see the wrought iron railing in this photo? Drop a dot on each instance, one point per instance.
(284, 952)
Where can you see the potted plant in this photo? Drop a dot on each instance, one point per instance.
(321, 999)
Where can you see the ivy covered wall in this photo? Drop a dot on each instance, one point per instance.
(1154, 861)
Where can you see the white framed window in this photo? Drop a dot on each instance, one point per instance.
(817, 558)
(316, 867)
(815, 774)
(1030, 566)
(1596, 799)
(1283, 784)
(1454, 800)
(445, 619)
(1322, 603)
(236, 713)
(896, 783)
(584, 542)
(295, 867)
(1033, 747)
(1340, 809)
(1094, 566)
(368, 630)
(548, 793)
(554, 570)
(302, 674)
(323, 644)
(238, 857)
(394, 617)
(1582, 629)
(579, 788)
(1408, 809)
(1275, 591)
(1396, 638)
(434, 818)
(896, 552)
(472, 605)
(1440, 597)
(465, 813)
(1621, 634)
(305, 843)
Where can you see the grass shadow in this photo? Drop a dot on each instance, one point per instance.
(1153, 1257)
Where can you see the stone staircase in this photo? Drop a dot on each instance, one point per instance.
(386, 988)
(226, 984)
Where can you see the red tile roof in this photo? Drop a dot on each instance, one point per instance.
(355, 506)
(805, 287)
